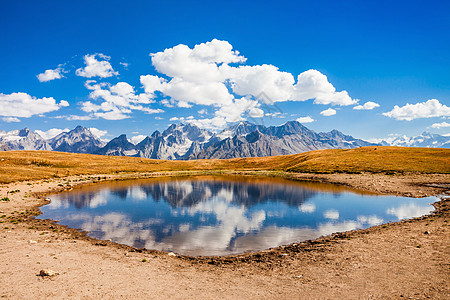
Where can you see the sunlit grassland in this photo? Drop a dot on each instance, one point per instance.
(34, 165)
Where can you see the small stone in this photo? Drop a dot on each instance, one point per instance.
(299, 276)
(32, 242)
(427, 232)
(47, 273)
(171, 254)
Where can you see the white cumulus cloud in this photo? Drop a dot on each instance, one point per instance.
(25, 106)
(10, 120)
(138, 138)
(97, 65)
(50, 74)
(264, 80)
(207, 75)
(312, 84)
(367, 106)
(199, 64)
(48, 134)
(75, 118)
(429, 109)
(231, 113)
(117, 101)
(440, 125)
(98, 132)
(186, 92)
(328, 112)
(306, 119)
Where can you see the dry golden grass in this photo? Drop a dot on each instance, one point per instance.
(374, 159)
(33, 165)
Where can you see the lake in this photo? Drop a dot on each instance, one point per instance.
(223, 215)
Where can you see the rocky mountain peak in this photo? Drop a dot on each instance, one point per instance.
(120, 141)
(122, 137)
(288, 128)
(241, 128)
(78, 140)
(80, 129)
(337, 134)
(156, 134)
(25, 132)
(119, 146)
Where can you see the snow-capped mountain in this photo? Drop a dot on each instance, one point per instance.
(176, 142)
(239, 129)
(78, 140)
(119, 146)
(187, 141)
(4, 146)
(426, 139)
(249, 140)
(24, 139)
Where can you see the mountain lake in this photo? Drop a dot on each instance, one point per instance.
(223, 215)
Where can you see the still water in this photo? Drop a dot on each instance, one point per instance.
(223, 215)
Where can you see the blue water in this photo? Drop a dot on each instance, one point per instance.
(219, 216)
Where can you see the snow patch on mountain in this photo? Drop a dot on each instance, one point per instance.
(426, 139)
(24, 139)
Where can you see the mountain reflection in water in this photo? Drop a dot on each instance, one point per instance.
(187, 193)
(216, 216)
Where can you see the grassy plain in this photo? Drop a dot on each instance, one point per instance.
(35, 165)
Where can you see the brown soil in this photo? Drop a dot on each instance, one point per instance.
(408, 259)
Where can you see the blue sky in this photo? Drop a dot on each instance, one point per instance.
(347, 53)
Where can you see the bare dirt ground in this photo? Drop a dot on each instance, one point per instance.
(404, 260)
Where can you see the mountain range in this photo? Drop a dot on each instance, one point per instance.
(187, 141)
(426, 139)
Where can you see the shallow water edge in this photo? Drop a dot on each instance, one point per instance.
(400, 185)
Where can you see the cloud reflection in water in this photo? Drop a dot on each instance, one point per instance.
(216, 217)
